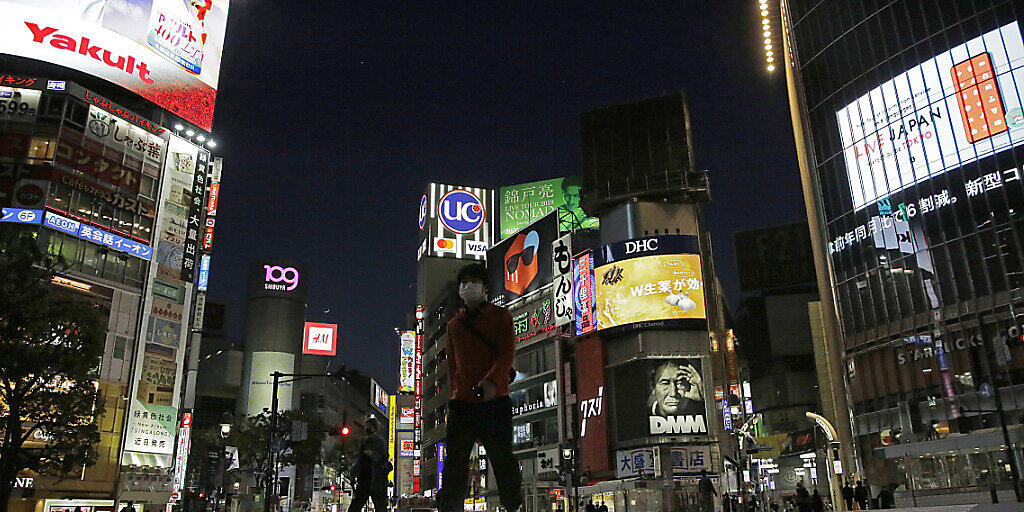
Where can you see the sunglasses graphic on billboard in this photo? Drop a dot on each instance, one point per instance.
(521, 262)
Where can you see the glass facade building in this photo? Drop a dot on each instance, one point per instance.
(913, 123)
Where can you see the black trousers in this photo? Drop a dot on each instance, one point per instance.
(363, 493)
(491, 424)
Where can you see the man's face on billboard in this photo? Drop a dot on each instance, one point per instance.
(673, 387)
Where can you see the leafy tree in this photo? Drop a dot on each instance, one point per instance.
(253, 438)
(51, 343)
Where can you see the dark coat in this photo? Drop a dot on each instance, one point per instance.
(376, 465)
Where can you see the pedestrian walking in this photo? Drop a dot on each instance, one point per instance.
(803, 498)
(481, 349)
(860, 495)
(370, 470)
(602, 507)
(817, 503)
(847, 492)
(706, 492)
(591, 507)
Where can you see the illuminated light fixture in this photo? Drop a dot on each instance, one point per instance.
(200, 138)
(211, 143)
(70, 283)
(769, 53)
(764, 13)
(764, 21)
(178, 127)
(767, 33)
(767, 40)
(771, 67)
(770, 59)
(767, 47)
(191, 133)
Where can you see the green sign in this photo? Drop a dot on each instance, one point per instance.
(524, 203)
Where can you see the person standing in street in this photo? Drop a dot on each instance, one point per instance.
(803, 498)
(481, 349)
(706, 492)
(817, 503)
(371, 470)
(602, 507)
(847, 492)
(860, 495)
(591, 507)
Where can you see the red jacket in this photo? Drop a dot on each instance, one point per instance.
(471, 360)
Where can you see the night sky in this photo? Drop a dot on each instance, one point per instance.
(332, 119)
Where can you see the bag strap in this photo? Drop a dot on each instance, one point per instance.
(476, 332)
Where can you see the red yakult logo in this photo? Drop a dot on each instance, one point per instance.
(82, 45)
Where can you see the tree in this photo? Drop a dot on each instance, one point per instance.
(52, 345)
(253, 439)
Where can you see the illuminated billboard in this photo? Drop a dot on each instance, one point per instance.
(520, 205)
(521, 264)
(167, 51)
(651, 281)
(407, 366)
(957, 107)
(455, 222)
(656, 397)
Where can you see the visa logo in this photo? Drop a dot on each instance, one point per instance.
(474, 247)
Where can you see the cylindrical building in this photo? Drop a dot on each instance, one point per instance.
(909, 128)
(275, 313)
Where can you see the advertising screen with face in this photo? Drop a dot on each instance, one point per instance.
(661, 397)
(521, 263)
(954, 108)
(525, 203)
(168, 51)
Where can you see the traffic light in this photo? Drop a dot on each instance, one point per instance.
(344, 430)
(333, 488)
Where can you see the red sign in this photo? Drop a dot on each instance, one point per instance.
(208, 235)
(211, 204)
(593, 431)
(407, 415)
(320, 339)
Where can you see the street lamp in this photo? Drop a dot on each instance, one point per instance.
(225, 429)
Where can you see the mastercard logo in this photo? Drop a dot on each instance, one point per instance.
(445, 243)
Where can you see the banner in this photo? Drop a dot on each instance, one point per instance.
(407, 363)
(656, 397)
(521, 263)
(561, 260)
(521, 205)
(167, 51)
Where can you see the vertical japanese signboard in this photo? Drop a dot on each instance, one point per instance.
(561, 260)
(584, 307)
(184, 444)
(195, 221)
(152, 421)
(392, 425)
(418, 397)
(407, 367)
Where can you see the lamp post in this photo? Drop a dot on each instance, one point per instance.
(832, 458)
(225, 429)
(272, 470)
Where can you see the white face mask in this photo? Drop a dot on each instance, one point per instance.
(472, 293)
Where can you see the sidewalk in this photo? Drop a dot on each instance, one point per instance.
(984, 507)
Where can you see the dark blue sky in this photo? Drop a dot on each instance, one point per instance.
(331, 120)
